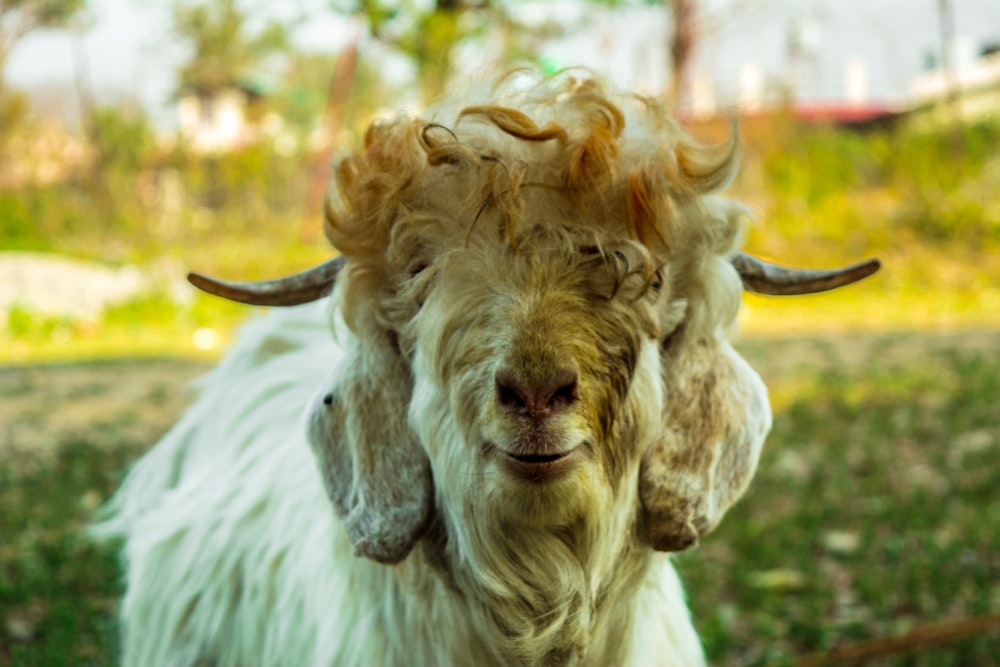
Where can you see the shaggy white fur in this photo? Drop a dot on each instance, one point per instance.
(527, 398)
(234, 557)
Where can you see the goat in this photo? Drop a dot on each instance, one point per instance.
(528, 402)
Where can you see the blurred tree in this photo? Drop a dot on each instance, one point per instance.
(329, 93)
(20, 17)
(429, 33)
(123, 150)
(953, 83)
(681, 39)
(233, 46)
(17, 19)
(126, 141)
(225, 48)
(322, 96)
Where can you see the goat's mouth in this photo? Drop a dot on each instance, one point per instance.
(540, 467)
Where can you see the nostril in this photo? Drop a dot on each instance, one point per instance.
(539, 397)
(510, 393)
(563, 390)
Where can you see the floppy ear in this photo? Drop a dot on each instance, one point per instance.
(715, 417)
(375, 471)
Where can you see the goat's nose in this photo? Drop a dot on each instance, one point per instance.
(537, 397)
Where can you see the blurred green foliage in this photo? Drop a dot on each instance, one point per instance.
(159, 199)
(124, 140)
(224, 47)
(819, 195)
(907, 183)
(817, 185)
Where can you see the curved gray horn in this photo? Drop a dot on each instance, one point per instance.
(309, 285)
(767, 278)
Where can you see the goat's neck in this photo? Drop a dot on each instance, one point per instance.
(553, 596)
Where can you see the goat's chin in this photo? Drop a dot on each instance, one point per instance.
(543, 493)
(537, 466)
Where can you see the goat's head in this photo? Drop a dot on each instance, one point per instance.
(537, 290)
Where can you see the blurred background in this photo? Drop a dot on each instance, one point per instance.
(142, 139)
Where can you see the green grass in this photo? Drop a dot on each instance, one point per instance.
(156, 323)
(58, 591)
(67, 435)
(874, 510)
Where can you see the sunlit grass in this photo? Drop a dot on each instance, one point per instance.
(867, 308)
(874, 510)
(915, 291)
(169, 320)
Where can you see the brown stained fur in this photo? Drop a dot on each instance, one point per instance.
(582, 149)
(515, 123)
(694, 475)
(646, 223)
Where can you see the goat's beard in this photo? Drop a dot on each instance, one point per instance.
(545, 567)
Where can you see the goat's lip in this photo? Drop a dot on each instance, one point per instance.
(540, 467)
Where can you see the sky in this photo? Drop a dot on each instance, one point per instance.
(129, 53)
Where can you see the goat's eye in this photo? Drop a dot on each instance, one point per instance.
(417, 267)
(656, 284)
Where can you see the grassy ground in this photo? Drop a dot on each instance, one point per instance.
(874, 510)
(67, 433)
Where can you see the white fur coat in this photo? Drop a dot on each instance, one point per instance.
(234, 556)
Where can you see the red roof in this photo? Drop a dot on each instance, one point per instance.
(847, 114)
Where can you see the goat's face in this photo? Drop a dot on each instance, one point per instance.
(537, 373)
(536, 380)
(536, 316)
(514, 360)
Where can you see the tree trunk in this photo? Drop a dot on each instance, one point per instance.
(681, 45)
(333, 121)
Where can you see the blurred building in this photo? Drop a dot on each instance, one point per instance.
(827, 61)
(972, 83)
(214, 121)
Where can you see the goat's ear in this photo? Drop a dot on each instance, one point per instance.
(715, 417)
(375, 471)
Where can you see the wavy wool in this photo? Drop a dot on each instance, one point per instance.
(384, 496)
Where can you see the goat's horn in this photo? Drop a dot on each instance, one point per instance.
(303, 287)
(767, 278)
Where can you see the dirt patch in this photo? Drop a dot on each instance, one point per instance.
(778, 358)
(128, 400)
